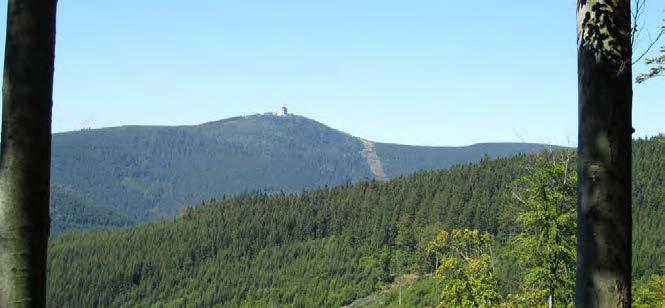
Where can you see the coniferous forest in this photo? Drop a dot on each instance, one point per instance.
(355, 242)
(276, 210)
(149, 172)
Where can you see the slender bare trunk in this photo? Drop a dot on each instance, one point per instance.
(25, 152)
(604, 188)
(400, 292)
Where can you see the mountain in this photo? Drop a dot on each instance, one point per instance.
(321, 247)
(150, 172)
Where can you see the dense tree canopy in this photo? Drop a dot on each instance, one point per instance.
(149, 172)
(466, 272)
(545, 242)
(321, 247)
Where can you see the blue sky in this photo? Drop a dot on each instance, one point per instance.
(412, 72)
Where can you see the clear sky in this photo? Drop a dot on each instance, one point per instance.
(413, 72)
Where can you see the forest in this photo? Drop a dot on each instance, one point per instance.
(554, 228)
(69, 211)
(148, 172)
(334, 245)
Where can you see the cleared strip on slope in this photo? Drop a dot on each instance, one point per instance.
(373, 160)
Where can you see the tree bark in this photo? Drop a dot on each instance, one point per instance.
(25, 152)
(604, 188)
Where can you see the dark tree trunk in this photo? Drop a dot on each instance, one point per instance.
(25, 152)
(604, 189)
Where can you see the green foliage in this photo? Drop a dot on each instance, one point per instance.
(649, 293)
(149, 172)
(656, 66)
(419, 293)
(403, 159)
(648, 206)
(326, 247)
(252, 249)
(466, 274)
(69, 212)
(545, 245)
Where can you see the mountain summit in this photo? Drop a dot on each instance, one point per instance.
(149, 172)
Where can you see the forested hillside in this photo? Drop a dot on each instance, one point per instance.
(148, 172)
(403, 159)
(649, 206)
(70, 212)
(322, 247)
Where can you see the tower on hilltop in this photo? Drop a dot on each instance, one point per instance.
(285, 111)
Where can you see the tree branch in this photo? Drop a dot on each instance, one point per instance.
(635, 30)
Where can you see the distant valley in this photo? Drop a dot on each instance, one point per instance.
(142, 173)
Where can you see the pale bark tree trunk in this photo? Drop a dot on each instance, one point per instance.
(604, 188)
(400, 292)
(25, 152)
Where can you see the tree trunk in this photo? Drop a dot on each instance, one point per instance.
(25, 152)
(604, 188)
(400, 292)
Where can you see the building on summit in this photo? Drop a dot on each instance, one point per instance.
(284, 112)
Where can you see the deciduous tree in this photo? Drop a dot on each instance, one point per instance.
(466, 273)
(545, 244)
(604, 149)
(25, 152)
